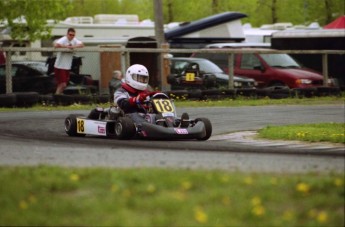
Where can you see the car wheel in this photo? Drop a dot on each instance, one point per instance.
(125, 128)
(71, 125)
(210, 80)
(208, 128)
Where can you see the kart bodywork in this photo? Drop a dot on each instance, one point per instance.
(160, 122)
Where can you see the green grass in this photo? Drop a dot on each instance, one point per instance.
(322, 132)
(57, 196)
(247, 101)
(228, 102)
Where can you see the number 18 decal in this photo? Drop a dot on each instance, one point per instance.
(163, 105)
(80, 126)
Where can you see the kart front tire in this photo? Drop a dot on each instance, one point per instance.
(71, 125)
(125, 128)
(208, 128)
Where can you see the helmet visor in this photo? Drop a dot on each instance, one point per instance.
(140, 78)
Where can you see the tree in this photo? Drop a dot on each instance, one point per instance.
(27, 19)
(36, 12)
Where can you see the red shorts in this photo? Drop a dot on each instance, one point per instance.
(61, 75)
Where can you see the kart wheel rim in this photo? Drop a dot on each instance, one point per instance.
(68, 124)
(118, 129)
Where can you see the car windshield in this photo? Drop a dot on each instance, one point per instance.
(208, 66)
(39, 67)
(280, 60)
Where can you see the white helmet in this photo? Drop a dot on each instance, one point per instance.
(137, 77)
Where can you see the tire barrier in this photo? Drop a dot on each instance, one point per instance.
(26, 99)
(104, 98)
(46, 100)
(29, 99)
(8, 100)
(275, 92)
(63, 100)
(247, 92)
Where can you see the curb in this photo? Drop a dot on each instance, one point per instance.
(249, 138)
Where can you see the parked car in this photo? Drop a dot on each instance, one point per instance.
(202, 74)
(28, 76)
(267, 69)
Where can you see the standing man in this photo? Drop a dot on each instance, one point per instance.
(63, 61)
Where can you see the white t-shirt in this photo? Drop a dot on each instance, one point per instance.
(64, 59)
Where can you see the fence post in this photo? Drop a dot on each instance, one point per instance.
(9, 88)
(124, 65)
(325, 69)
(165, 67)
(127, 57)
(231, 70)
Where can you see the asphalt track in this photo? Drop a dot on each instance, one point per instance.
(32, 138)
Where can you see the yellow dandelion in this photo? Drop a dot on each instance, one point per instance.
(23, 205)
(258, 210)
(74, 177)
(338, 182)
(256, 201)
(303, 187)
(186, 185)
(199, 215)
(248, 180)
(151, 188)
(322, 217)
(301, 134)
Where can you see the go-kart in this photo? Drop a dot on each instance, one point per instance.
(160, 122)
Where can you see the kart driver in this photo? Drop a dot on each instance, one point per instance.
(133, 92)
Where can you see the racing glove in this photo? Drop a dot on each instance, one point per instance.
(139, 99)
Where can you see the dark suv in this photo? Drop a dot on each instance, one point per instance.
(267, 69)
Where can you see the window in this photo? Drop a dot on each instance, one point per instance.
(3, 71)
(249, 61)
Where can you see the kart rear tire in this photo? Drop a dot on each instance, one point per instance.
(208, 128)
(125, 128)
(71, 125)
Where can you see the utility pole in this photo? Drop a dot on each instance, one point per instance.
(159, 33)
(159, 30)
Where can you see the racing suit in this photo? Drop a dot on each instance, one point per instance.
(124, 97)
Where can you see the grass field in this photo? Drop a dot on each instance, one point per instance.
(54, 196)
(322, 132)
